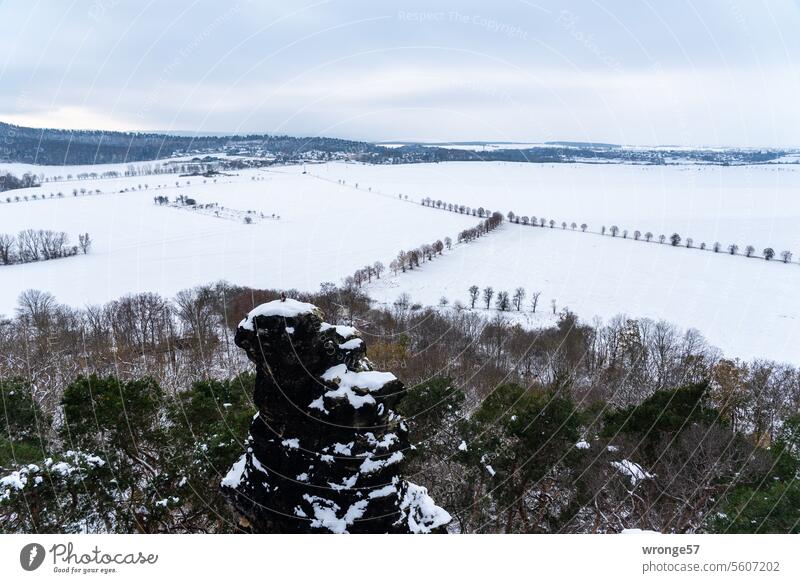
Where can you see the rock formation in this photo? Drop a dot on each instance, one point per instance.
(325, 448)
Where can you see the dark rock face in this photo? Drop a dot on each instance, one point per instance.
(325, 449)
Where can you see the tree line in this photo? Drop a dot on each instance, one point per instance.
(411, 258)
(768, 253)
(124, 417)
(675, 240)
(32, 245)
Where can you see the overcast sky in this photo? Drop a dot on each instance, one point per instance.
(710, 72)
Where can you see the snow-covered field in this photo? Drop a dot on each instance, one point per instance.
(758, 205)
(746, 307)
(325, 232)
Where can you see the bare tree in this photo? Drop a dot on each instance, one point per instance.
(85, 242)
(769, 253)
(519, 297)
(786, 256)
(584, 226)
(6, 248)
(648, 236)
(402, 260)
(637, 235)
(28, 246)
(733, 248)
(535, 300)
(502, 303)
(473, 295)
(553, 305)
(614, 230)
(36, 307)
(488, 293)
(749, 250)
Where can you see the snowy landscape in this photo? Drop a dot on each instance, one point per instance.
(731, 300)
(400, 268)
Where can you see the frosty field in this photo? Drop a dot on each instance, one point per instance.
(328, 229)
(746, 307)
(756, 205)
(325, 232)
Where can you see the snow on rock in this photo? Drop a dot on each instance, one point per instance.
(315, 387)
(351, 385)
(351, 344)
(325, 514)
(421, 512)
(284, 308)
(371, 466)
(234, 475)
(634, 471)
(582, 444)
(462, 446)
(343, 331)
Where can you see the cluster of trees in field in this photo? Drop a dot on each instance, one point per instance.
(40, 245)
(10, 182)
(503, 301)
(124, 417)
(213, 209)
(180, 200)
